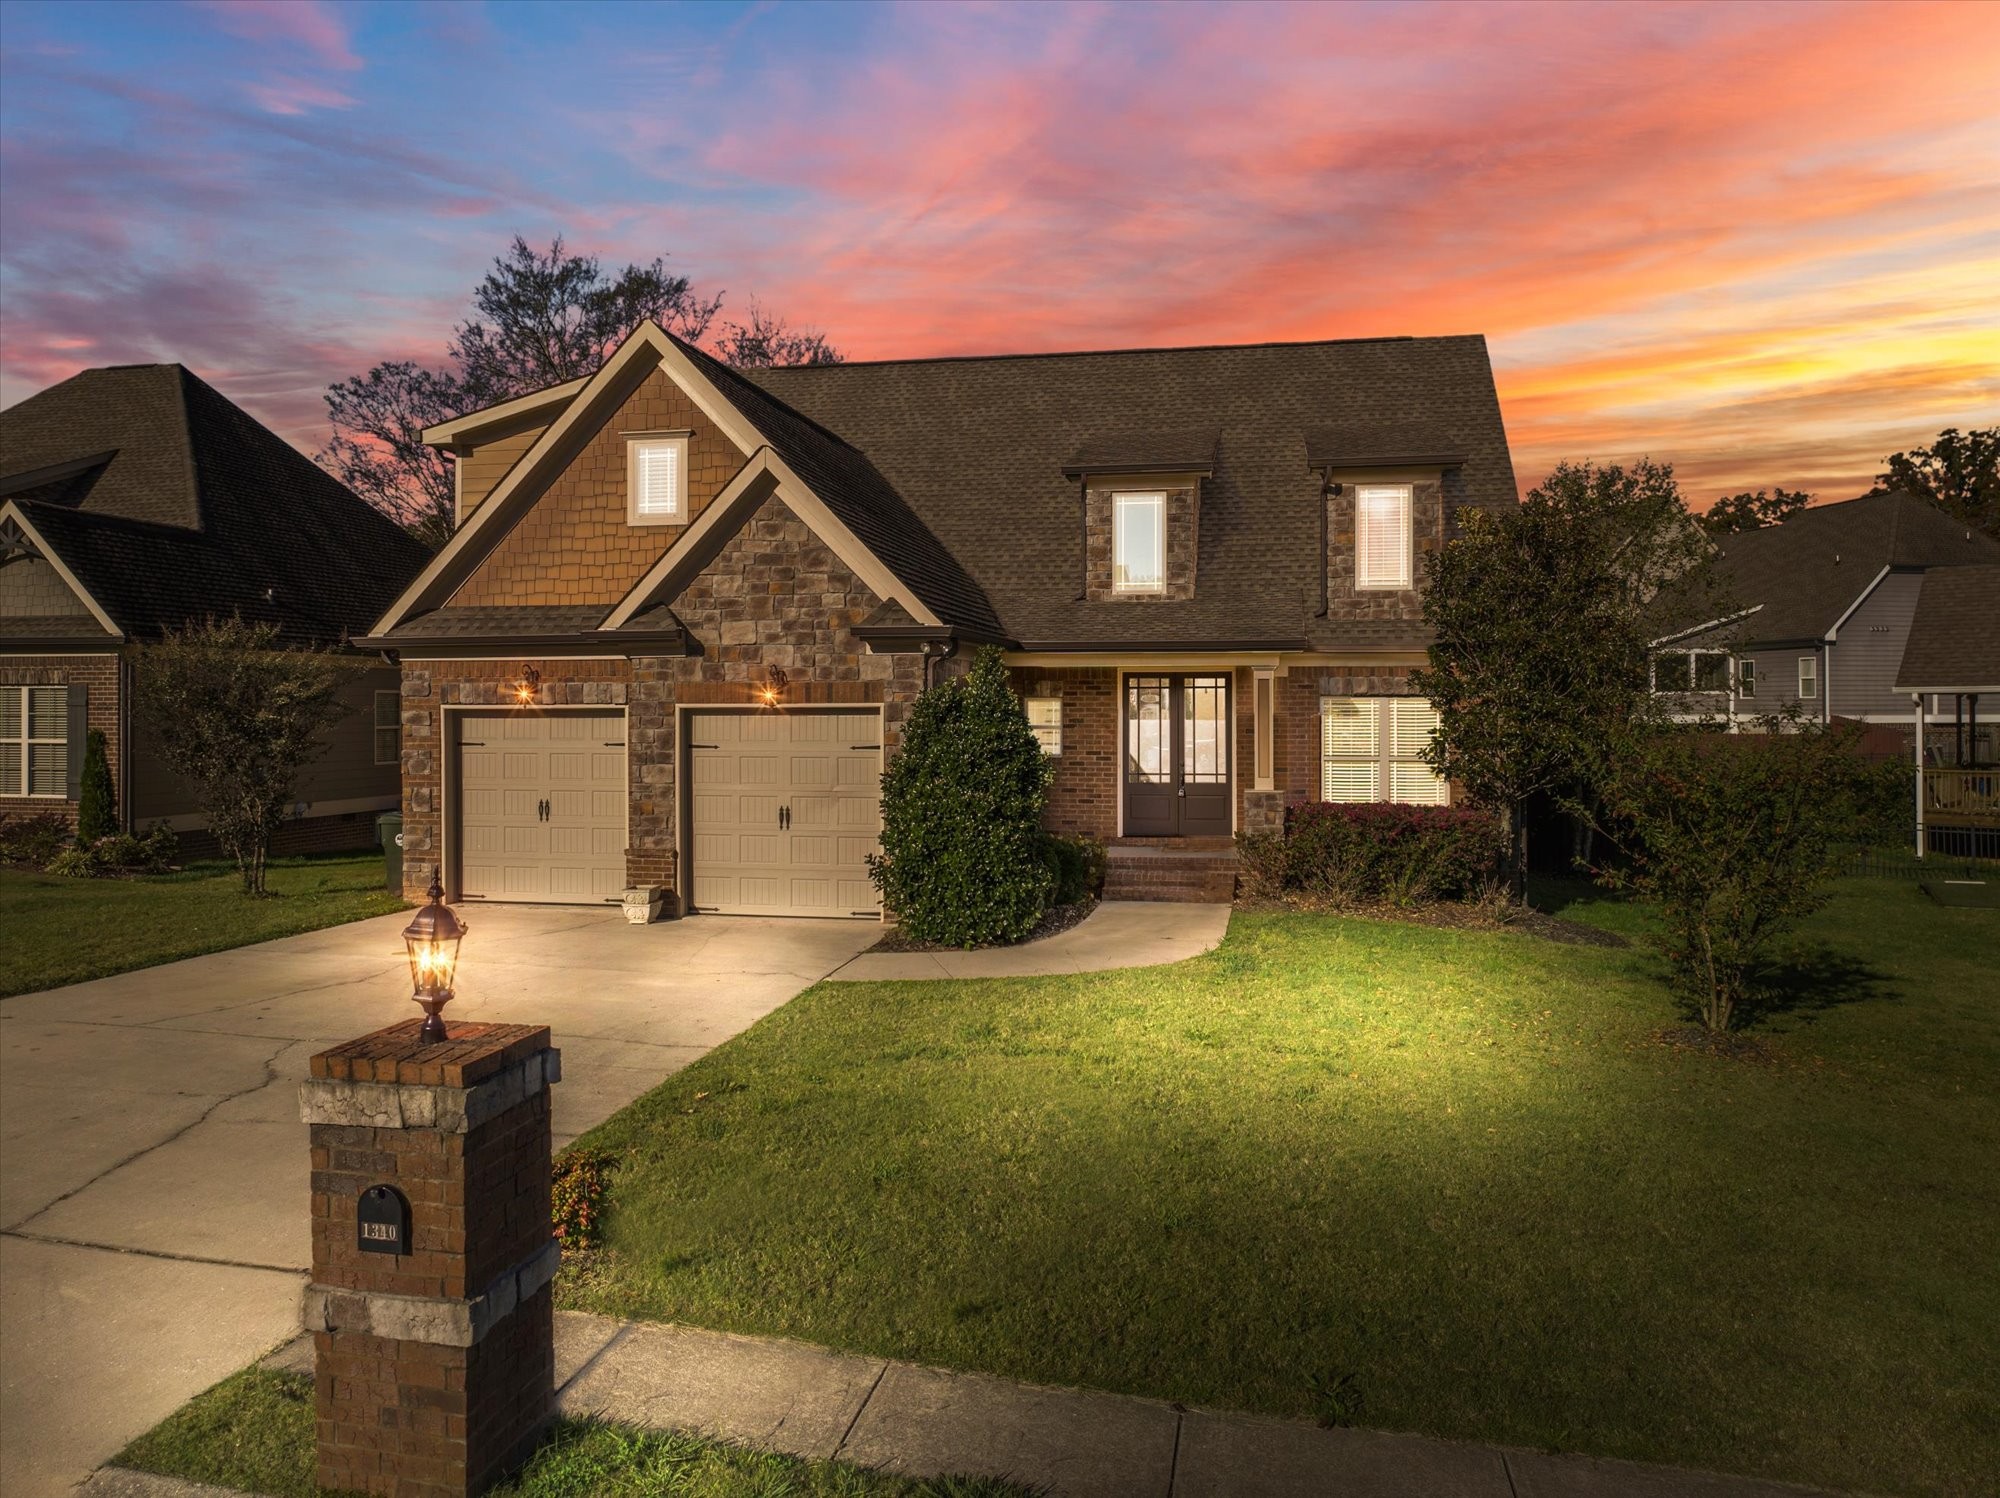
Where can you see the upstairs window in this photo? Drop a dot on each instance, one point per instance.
(1138, 543)
(656, 479)
(34, 741)
(1382, 536)
(1371, 749)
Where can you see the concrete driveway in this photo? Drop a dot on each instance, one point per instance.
(153, 1174)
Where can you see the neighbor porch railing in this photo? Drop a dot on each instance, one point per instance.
(1962, 798)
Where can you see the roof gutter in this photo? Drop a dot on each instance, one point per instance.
(1158, 647)
(475, 647)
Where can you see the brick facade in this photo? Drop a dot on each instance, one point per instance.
(1083, 798)
(1183, 541)
(574, 546)
(1427, 535)
(100, 675)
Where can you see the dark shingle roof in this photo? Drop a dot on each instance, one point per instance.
(1954, 639)
(1359, 444)
(977, 448)
(1806, 573)
(1190, 451)
(197, 509)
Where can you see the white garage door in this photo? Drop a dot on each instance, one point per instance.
(786, 807)
(541, 799)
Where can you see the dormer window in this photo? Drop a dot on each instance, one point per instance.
(656, 478)
(1139, 542)
(1382, 536)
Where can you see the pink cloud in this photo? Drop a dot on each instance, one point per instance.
(284, 24)
(286, 94)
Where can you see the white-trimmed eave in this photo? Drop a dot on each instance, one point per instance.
(1945, 691)
(1833, 633)
(800, 499)
(446, 433)
(9, 510)
(1702, 629)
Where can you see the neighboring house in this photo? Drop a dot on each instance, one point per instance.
(687, 608)
(1951, 662)
(135, 499)
(1819, 612)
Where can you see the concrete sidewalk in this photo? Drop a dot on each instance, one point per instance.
(1119, 933)
(777, 1395)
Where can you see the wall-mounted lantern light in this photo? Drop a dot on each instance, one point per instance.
(773, 690)
(432, 938)
(525, 688)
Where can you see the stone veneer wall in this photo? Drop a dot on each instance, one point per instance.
(575, 546)
(99, 675)
(1183, 520)
(1427, 530)
(774, 596)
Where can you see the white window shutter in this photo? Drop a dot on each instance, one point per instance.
(1382, 536)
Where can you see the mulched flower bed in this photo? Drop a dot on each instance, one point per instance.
(1728, 1044)
(1054, 923)
(1464, 918)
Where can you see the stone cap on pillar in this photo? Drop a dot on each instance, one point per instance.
(395, 1080)
(473, 1053)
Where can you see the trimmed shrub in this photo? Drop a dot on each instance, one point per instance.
(1378, 853)
(35, 839)
(963, 861)
(97, 804)
(1077, 866)
(120, 853)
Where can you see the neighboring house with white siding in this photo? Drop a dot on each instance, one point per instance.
(1819, 612)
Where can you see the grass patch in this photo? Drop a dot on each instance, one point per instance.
(69, 930)
(1381, 1174)
(254, 1432)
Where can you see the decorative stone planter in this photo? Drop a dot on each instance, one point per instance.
(643, 906)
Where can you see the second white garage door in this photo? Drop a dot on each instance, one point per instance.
(786, 807)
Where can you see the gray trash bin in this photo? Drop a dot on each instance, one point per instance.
(389, 833)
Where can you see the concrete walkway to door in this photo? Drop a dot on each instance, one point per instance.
(153, 1172)
(1119, 933)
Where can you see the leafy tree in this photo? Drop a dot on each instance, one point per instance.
(238, 716)
(97, 804)
(962, 860)
(767, 341)
(541, 318)
(1734, 837)
(1959, 473)
(1541, 616)
(1749, 512)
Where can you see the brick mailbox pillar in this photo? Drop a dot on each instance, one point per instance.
(432, 1255)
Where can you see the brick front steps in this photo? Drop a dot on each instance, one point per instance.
(1199, 871)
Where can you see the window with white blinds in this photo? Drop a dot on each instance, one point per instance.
(1371, 749)
(1382, 536)
(657, 479)
(1138, 543)
(34, 741)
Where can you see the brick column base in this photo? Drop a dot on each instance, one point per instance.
(435, 1362)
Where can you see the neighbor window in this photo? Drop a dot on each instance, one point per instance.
(1138, 543)
(656, 479)
(388, 728)
(34, 741)
(1045, 720)
(1382, 536)
(1371, 749)
(1808, 677)
(1746, 678)
(1691, 671)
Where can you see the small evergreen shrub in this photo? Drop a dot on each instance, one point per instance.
(1378, 853)
(121, 853)
(963, 860)
(97, 804)
(35, 839)
(1077, 866)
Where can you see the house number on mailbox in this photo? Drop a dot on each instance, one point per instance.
(382, 1222)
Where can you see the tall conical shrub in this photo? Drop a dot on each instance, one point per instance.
(97, 806)
(962, 859)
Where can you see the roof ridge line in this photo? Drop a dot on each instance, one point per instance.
(1165, 348)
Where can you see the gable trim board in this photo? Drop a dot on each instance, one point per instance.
(9, 510)
(1833, 631)
(460, 427)
(589, 407)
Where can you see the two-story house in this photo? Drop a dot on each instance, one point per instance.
(687, 607)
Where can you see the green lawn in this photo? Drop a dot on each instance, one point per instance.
(1407, 1177)
(254, 1432)
(66, 930)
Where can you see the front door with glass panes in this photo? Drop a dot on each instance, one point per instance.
(1177, 756)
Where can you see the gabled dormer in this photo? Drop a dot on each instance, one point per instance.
(1141, 499)
(1384, 512)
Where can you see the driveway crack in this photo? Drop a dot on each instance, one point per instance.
(270, 1076)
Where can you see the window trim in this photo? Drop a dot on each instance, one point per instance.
(635, 443)
(1407, 579)
(1746, 677)
(395, 725)
(1691, 673)
(1048, 734)
(1156, 500)
(29, 742)
(1808, 678)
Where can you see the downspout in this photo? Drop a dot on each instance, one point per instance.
(1918, 699)
(1327, 489)
(1082, 537)
(125, 740)
(1826, 683)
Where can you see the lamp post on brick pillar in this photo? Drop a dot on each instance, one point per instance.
(432, 1255)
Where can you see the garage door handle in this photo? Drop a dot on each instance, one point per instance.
(784, 819)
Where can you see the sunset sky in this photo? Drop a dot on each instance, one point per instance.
(1762, 242)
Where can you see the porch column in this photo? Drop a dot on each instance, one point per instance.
(1264, 775)
(1918, 699)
